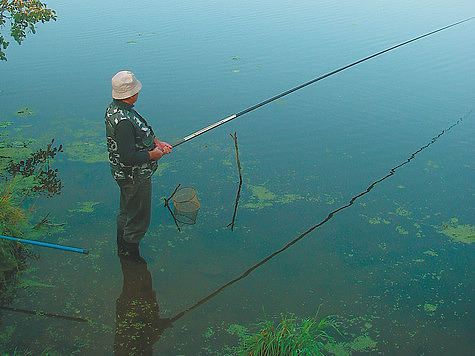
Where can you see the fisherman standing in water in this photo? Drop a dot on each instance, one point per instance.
(133, 154)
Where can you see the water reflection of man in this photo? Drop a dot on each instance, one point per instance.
(138, 325)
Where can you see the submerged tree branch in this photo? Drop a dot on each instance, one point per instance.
(240, 181)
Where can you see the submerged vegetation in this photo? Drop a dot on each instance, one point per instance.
(289, 337)
(28, 177)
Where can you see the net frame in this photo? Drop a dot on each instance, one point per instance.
(186, 205)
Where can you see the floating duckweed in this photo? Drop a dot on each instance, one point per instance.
(85, 207)
(263, 197)
(24, 283)
(209, 332)
(402, 212)
(338, 349)
(376, 220)
(401, 230)
(431, 165)
(87, 152)
(5, 124)
(363, 343)
(430, 308)
(238, 330)
(161, 168)
(25, 112)
(458, 232)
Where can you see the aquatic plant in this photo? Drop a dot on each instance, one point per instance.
(289, 337)
(85, 207)
(30, 176)
(25, 112)
(36, 171)
(458, 232)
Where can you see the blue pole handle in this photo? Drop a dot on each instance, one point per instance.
(45, 244)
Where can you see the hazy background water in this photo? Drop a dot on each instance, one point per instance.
(201, 61)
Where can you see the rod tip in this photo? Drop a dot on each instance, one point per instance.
(86, 252)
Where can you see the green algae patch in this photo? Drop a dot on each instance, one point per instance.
(209, 332)
(431, 165)
(88, 152)
(263, 197)
(162, 167)
(374, 221)
(237, 330)
(25, 112)
(5, 124)
(401, 230)
(25, 283)
(362, 343)
(430, 308)
(338, 349)
(402, 212)
(85, 207)
(430, 253)
(12, 153)
(458, 232)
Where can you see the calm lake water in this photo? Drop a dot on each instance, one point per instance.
(389, 266)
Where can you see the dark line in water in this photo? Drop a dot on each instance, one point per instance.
(330, 215)
(238, 195)
(40, 313)
(170, 210)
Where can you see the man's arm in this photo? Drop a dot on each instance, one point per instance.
(126, 145)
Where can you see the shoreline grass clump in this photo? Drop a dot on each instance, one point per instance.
(289, 337)
(13, 256)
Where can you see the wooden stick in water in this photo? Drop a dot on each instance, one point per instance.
(240, 181)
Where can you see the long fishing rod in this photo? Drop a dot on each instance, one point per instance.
(45, 244)
(267, 101)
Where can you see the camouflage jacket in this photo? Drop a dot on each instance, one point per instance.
(116, 112)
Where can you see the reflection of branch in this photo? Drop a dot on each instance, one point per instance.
(240, 181)
(170, 210)
(42, 222)
(301, 236)
(46, 222)
(40, 313)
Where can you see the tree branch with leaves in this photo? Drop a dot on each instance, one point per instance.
(20, 17)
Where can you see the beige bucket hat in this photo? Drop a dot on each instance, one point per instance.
(125, 85)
